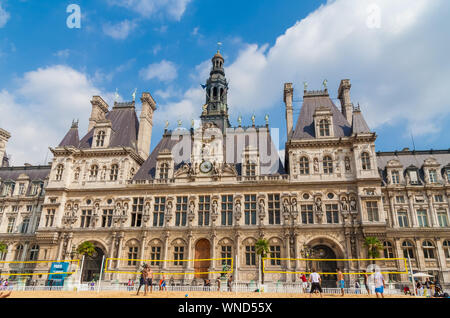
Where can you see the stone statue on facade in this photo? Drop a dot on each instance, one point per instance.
(344, 204)
(237, 210)
(347, 164)
(316, 165)
(318, 203)
(261, 209)
(353, 204)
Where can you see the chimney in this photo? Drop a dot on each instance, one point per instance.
(146, 125)
(288, 94)
(99, 111)
(344, 97)
(4, 136)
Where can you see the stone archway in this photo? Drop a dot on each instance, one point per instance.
(202, 251)
(92, 265)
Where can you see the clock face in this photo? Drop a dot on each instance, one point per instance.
(206, 166)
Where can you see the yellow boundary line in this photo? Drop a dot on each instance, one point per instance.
(334, 259)
(35, 262)
(171, 260)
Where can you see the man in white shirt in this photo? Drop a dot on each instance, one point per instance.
(315, 280)
(379, 283)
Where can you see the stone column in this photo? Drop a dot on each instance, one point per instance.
(394, 221)
(189, 265)
(166, 249)
(287, 239)
(399, 253)
(143, 244)
(442, 262)
(419, 255)
(111, 255)
(362, 213)
(412, 211)
(59, 255)
(433, 216)
(237, 257)
(212, 265)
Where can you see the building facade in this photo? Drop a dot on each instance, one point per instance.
(211, 191)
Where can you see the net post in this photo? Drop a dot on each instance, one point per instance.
(81, 273)
(101, 272)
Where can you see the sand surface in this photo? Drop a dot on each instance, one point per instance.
(118, 294)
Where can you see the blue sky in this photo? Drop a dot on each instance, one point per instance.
(393, 53)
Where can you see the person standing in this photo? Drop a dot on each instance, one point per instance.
(304, 282)
(366, 281)
(340, 281)
(315, 280)
(379, 283)
(357, 287)
(229, 282)
(150, 278)
(143, 280)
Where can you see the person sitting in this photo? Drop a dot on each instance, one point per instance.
(406, 290)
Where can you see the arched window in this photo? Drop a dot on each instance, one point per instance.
(164, 171)
(304, 165)
(327, 165)
(94, 172)
(446, 246)
(428, 250)
(19, 251)
(408, 249)
(388, 250)
(100, 138)
(114, 172)
(324, 128)
(59, 172)
(365, 160)
(215, 93)
(275, 252)
(34, 253)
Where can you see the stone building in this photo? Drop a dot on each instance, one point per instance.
(211, 191)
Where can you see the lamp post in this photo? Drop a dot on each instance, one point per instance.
(307, 252)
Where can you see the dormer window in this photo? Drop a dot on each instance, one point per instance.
(448, 175)
(413, 177)
(59, 172)
(250, 169)
(114, 172)
(327, 165)
(100, 138)
(21, 188)
(324, 128)
(164, 171)
(304, 165)
(395, 175)
(365, 161)
(433, 176)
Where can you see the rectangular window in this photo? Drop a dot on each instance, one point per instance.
(227, 210)
(442, 218)
(332, 213)
(274, 209)
(49, 218)
(11, 223)
(15, 208)
(86, 216)
(413, 177)
(178, 255)
(29, 208)
(395, 177)
(25, 224)
(433, 176)
(250, 255)
(422, 218)
(21, 188)
(275, 252)
(372, 211)
(307, 213)
(438, 198)
(158, 211)
(226, 253)
(107, 218)
(132, 255)
(402, 219)
(136, 212)
(400, 199)
(181, 211)
(203, 210)
(155, 255)
(250, 209)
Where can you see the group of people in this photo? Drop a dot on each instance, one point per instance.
(146, 280)
(316, 283)
(4, 286)
(429, 288)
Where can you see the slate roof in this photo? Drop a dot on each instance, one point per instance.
(304, 128)
(359, 125)
(148, 169)
(413, 159)
(71, 138)
(35, 173)
(125, 128)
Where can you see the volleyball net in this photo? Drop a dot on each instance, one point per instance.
(170, 267)
(355, 266)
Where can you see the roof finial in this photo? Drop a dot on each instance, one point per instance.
(305, 86)
(134, 94)
(325, 84)
(116, 95)
(219, 44)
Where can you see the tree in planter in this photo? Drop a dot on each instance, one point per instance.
(373, 246)
(262, 249)
(86, 248)
(3, 249)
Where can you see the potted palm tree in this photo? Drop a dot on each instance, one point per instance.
(373, 246)
(86, 248)
(262, 249)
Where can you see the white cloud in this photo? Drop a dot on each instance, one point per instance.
(195, 31)
(62, 53)
(398, 71)
(39, 111)
(120, 30)
(173, 9)
(164, 71)
(4, 16)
